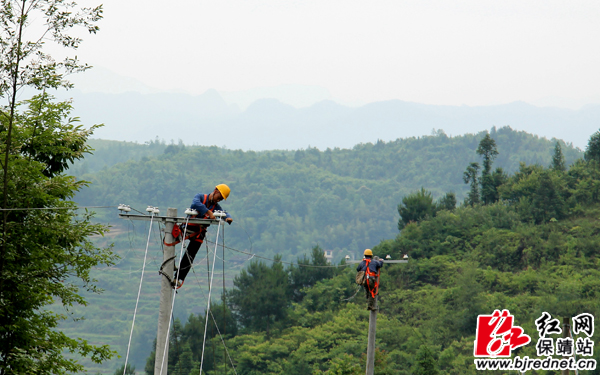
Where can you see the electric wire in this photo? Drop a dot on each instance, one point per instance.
(223, 298)
(216, 325)
(282, 261)
(139, 212)
(249, 239)
(53, 208)
(252, 255)
(212, 274)
(138, 296)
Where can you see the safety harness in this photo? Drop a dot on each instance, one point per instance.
(194, 232)
(371, 275)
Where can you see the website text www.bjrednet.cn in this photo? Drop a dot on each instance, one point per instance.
(526, 364)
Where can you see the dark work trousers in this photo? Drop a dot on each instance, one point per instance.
(188, 258)
(370, 300)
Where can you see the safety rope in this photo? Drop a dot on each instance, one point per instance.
(139, 292)
(174, 295)
(212, 274)
(354, 295)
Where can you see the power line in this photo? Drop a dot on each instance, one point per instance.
(138, 295)
(53, 208)
(281, 261)
(215, 321)
(212, 274)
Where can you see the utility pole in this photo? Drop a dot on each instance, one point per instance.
(566, 330)
(371, 340)
(166, 299)
(167, 270)
(370, 367)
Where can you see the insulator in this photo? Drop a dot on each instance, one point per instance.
(121, 207)
(219, 214)
(156, 210)
(126, 208)
(150, 209)
(388, 257)
(405, 256)
(191, 212)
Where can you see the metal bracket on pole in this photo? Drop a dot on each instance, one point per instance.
(384, 261)
(167, 219)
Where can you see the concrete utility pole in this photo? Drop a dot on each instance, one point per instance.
(166, 299)
(167, 271)
(566, 329)
(370, 367)
(371, 340)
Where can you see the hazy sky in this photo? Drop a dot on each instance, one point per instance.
(436, 52)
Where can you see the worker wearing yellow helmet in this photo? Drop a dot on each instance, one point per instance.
(205, 204)
(370, 266)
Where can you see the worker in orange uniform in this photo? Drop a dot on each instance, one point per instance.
(371, 267)
(205, 204)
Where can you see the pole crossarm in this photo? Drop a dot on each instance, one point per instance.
(167, 219)
(384, 261)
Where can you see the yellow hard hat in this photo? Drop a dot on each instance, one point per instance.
(368, 252)
(224, 190)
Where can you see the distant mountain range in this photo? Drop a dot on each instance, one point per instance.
(265, 124)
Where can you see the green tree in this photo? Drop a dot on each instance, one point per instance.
(487, 150)
(259, 298)
(186, 364)
(471, 177)
(122, 371)
(447, 202)
(547, 203)
(425, 362)
(346, 364)
(558, 159)
(592, 151)
(45, 251)
(415, 207)
(303, 275)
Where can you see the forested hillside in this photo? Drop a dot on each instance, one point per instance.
(532, 249)
(289, 201)
(283, 202)
(108, 153)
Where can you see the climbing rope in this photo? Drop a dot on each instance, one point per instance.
(354, 295)
(139, 292)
